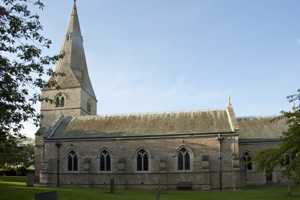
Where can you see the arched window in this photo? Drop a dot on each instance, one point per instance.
(105, 161)
(285, 160)
(142, 160)
(68, 36)
(62, 101)
(88, 107)
(183, 159)
(57, 102)
(248, 161)
(72, 161)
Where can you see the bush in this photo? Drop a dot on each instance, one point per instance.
(10, 171)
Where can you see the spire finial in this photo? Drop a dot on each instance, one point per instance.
(75, 1)
(74, 4)
(229, 101)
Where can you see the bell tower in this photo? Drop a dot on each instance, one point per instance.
(76, 94)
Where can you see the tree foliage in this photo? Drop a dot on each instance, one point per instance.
(287, 155)
(17, 153)
(23, 67)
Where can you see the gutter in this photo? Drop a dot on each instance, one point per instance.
(142, 137)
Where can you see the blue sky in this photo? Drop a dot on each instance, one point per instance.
(174, 55)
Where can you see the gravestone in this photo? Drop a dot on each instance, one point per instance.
(185, 185)
(46, 196)
(112, 186)
(30, 179)
(157, 196)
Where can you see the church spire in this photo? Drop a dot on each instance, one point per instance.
(74, 26)
(73, 64)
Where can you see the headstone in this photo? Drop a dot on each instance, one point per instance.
(112, 186)
(30, 179)
(186, 185)
(157, 196)
(46, 196)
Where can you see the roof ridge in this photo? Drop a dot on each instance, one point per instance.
(145, 114)
(256, 117)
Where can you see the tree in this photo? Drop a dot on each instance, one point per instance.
(20, 153)
(23, 66)
(287, 155)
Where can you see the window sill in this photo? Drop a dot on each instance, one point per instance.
(183, 171)
(143, 172)
(72, 172)
(104, 172)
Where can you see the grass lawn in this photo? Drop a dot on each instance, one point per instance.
(13, 188)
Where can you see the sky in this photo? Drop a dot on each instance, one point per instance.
(175, 55)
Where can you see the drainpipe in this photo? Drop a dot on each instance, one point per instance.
(220, 139)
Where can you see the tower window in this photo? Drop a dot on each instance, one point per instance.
(57, 102)
(60, 101)
(72, 161)
(105, 161)
(142, 160)
(183, 159)
(68, 36)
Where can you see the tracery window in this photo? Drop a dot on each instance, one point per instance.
(60, 101)
(248, 161)
(183, 159)
(142, 160)
(57, 102)
(105, 161)
(72, 161)
(287, 158)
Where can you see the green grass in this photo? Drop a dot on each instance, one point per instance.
(12, 178)
(14, 188)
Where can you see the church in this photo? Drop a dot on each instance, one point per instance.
(201, 150)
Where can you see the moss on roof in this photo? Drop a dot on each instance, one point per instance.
(146, 124)
(261, 127)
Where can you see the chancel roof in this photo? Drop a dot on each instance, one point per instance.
(144, 124)
(261, 127)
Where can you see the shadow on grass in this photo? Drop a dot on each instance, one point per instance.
(18, 190)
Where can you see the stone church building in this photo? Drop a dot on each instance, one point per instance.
(199, 150)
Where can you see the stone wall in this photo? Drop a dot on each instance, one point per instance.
(204, 173)
(72, 106)
(255, 177)
(85, 99)
(76, 100)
